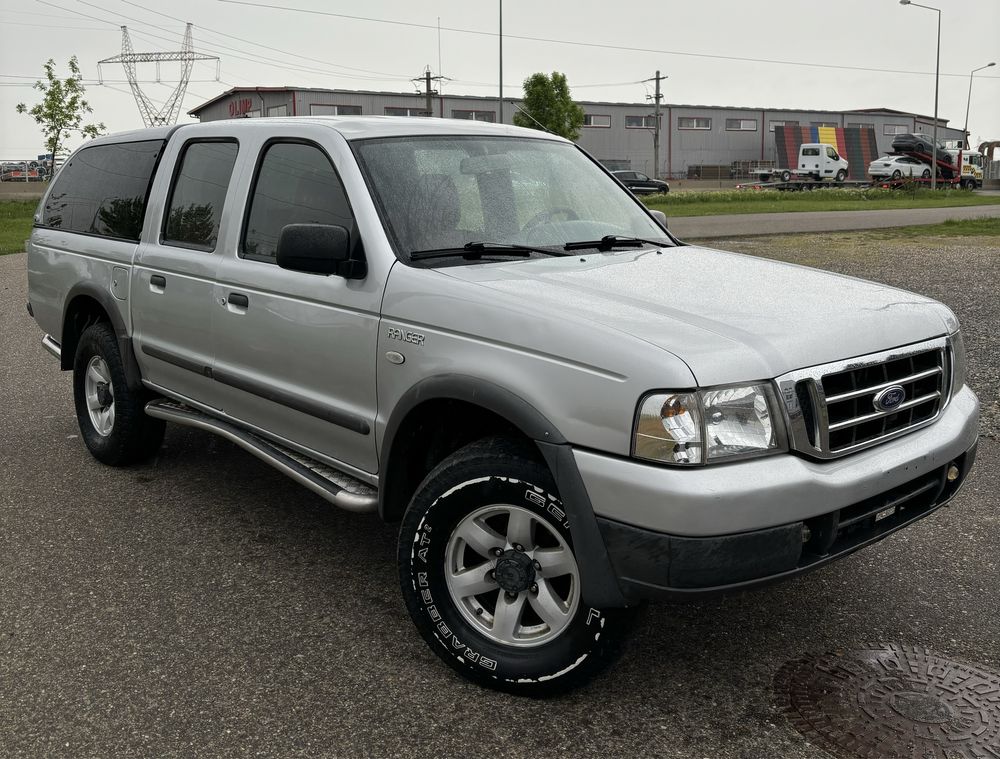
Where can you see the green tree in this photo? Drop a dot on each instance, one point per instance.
(62, 108)
(550, 106)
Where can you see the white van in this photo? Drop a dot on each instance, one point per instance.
(820, 160)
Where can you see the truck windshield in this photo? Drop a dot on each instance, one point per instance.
(436, 193)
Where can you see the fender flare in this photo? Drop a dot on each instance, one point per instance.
(600, 585)
(108, 303)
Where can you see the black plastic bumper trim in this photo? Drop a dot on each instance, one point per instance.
(652, 565)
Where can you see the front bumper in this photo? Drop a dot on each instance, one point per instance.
(672, 531)
(654, 565)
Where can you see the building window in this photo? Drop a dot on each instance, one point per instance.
(198, 194)
(490, 116)
(595, 120)
(823, 124)
(324, 109)
(895, 129)
(860, 125)
(741, 125)
(640, 122)
(693, 122)
(277, 110)
(782, 123)
(392, 111)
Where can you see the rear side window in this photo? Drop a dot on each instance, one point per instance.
(810, 151)
(296, 184)
(103, 190)
(198, 194)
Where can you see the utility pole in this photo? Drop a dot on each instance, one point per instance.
(427, 91)
(426, 80)
(500, 99)
(656, 123)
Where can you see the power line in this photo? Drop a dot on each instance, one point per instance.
(600, 45)
(266, 47)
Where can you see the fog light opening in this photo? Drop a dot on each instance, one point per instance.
(953, 473)
(806, 533)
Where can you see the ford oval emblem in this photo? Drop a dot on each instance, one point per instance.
(890, 398)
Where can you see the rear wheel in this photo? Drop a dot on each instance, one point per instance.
(490, 577)
(111, 415)
(897, 174)
(926, 174)
(921, 148)
(785, 176)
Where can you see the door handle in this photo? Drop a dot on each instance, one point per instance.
(238, 300)
(157, 283)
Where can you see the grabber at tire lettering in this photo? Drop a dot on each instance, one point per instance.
(490, 577)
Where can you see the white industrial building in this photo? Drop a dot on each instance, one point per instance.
(695, 140)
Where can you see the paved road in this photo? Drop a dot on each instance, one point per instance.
(743, 225)
(204, 606)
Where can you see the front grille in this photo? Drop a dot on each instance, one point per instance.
(832, 408)
(852, 417)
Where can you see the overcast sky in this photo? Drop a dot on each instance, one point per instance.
(679, 38)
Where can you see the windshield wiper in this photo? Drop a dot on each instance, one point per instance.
(472, 251)
(613, 241)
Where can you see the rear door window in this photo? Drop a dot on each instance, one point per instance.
(103, 190)
(198, 194)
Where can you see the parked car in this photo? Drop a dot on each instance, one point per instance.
(640, 184)
(920, 143)
(473, 331)
(896, 166)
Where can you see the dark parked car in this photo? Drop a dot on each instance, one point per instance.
(920, 143)
(640, 184)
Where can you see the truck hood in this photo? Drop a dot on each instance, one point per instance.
(729, 317)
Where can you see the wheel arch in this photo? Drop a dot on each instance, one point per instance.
(485, 408)
(88, 304)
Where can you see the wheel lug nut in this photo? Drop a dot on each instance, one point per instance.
(518, 547)
(536, 564)
(511, 596)
(497, 552)
(534, 587)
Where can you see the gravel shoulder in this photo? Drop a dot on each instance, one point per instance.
(204, 605)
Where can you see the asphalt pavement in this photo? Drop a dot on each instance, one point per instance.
(744, 225)
(203, 605)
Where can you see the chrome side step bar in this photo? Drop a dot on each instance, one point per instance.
(52, 346)
(336, 487)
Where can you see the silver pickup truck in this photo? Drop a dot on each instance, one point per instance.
(477, 332)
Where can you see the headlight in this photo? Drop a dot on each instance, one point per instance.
(707, 426)
(957, 362)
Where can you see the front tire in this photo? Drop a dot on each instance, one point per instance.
(490, 579)
(111, 415)
(841, 175)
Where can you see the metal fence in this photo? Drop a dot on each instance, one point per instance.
(21, 170)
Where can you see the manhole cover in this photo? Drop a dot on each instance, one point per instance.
(893, 701)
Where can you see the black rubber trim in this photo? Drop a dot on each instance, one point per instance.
(298, 403)
(175, 360)
(597, 575)
(107, 302)
(31, 312)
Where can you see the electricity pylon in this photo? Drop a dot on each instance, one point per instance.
(170, 110)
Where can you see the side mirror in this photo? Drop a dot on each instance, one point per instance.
(317, 249)
(660, 217)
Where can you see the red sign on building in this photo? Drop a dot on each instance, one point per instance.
(239, 107)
